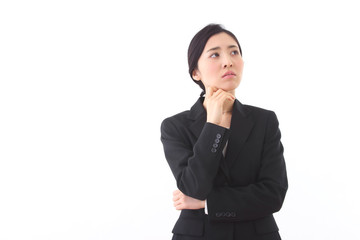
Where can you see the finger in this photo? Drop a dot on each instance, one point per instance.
(227, 94)
(231, 95)
(179, 207)
(177, 203)
(217, 93)
(177, 191)
(176, 197)
(225, 99)
(231, 98)
(222, 98)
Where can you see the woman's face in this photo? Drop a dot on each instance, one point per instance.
(220, 64)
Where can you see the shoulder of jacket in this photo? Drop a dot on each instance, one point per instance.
(176, 120)
(178, 117)
(263, 115)
(257, 110)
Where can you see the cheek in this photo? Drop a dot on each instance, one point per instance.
(209, 70)
(212, 68)
(240, 65)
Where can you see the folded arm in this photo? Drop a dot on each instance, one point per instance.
(194, 168)
(266, 196)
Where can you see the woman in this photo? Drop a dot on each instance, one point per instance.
(226, 157)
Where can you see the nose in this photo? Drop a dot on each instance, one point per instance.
(227, 62)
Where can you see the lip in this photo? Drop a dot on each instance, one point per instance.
(229, 74)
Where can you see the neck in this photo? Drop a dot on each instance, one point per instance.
(232, 92)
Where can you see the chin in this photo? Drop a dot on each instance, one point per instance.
(229, 88)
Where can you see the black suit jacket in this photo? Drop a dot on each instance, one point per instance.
(243, 188)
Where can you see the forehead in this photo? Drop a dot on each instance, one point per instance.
(220, 40)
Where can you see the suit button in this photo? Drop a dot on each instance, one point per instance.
(218, 135)
(217, 140)
(213, 150)
(215, 145)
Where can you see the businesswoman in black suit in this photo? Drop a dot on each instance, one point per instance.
(226, 157)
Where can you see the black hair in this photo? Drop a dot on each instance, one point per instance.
(197, 46)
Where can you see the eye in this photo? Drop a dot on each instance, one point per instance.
(214, 55)
(235, 52)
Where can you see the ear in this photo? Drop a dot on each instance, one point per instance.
(196, 75)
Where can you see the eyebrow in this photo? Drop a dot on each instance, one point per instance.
(216, 48)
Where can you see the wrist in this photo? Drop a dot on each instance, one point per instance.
(213, 120)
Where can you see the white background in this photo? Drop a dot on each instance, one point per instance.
(85, 85)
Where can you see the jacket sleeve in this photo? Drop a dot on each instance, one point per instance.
(266, 196)
(194, 167)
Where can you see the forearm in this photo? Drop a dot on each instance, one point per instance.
(195, 169)
(245, 203)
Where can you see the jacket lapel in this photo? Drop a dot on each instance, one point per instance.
(240, 128)
(198, 115)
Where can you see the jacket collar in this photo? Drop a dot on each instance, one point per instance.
(197, 110)
(240, 127)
